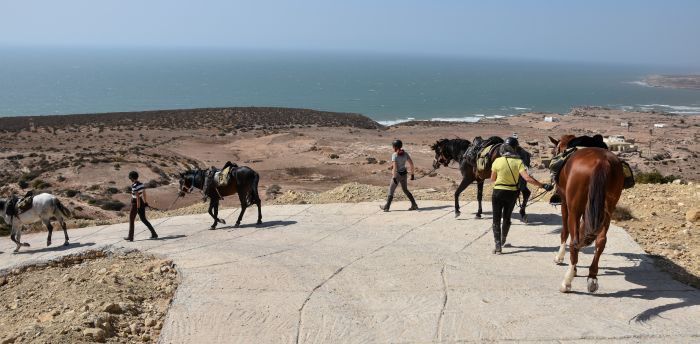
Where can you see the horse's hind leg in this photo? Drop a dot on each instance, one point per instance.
(479, 196)
(65, 231)
(573, 248)
(257, 203)
(526, 197)
(593, 270)
(244, 205)
(214, 212)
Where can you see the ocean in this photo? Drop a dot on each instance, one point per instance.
(387, 88)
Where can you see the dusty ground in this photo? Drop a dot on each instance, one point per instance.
(90, 297)
(300, 153)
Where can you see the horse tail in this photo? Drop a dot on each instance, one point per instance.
(595, 210)
(254, 191)
(62, 208)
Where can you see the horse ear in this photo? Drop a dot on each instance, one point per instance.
(555, 142)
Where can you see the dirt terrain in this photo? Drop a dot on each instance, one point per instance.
(314, 157)
(91, 297)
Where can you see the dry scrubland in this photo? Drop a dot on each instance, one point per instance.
(306, 156)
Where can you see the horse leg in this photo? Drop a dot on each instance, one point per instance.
(526, 196)
(593, 270)
(65, 231)
(559, 258)
(211, 213)
(463, 185)
(18, 239)
(479, 196)
(244, 205)
(573, 254)
(49, 227)
(257, 202)
(216, 213)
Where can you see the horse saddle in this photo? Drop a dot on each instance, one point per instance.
(20, 205)
(559, 160)
(483, 160)
(223, 177)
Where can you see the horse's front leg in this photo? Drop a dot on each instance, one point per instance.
(593, 270)
(559, 257)
(463, 185)
(49, 227)
(573, 254)
(479, 196)
(526, 196)
(18, 238)
(211, 209)
(216, 213)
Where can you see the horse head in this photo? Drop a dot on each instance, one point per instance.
(187, 182)
(440, 150)
(561, 144)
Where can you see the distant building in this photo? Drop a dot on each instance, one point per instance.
(617, 143)
(659, 125)
(551, 119)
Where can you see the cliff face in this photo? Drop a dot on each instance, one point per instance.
(674, 81)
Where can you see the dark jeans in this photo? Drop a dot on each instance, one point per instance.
(142, 215)
(503, 202)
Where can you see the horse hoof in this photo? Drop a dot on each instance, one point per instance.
(48, 242)
(259, 222)
(524, 219)
(25, 244)
(558, 261)
(565, 288)
(457, 213)
(478, 216)
(592, 285)
(238, 224)
(212, 228)
(222, 221)
(66, 243)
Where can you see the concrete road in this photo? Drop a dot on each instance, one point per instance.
(349, 273)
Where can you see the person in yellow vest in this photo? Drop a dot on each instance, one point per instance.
(506, 172)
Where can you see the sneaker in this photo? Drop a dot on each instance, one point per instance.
(154, 236)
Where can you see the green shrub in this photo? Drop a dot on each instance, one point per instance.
(653, 178)
(112, 205)
(112, 190)
(72, 193)
(40, 184)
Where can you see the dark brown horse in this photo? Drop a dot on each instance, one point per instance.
(244, 182)
(590, 184)
(448, 150)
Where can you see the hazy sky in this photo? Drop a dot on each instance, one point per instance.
(628, 31)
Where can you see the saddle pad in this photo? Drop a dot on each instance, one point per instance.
(482, 159)
(223, 177)
(25, 204)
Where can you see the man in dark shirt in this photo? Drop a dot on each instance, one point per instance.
(138, 206)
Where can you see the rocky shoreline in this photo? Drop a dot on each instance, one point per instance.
(674, 81)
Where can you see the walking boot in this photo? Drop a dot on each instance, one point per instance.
(497, 249)
(497, 238)
(414, 206)
(504, 233)
(387, 205)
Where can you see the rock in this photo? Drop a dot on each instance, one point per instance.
(3, 281)
(97, 334)
(113, 308)
(692, 215)
(150, 322)
(134, 328)
(45, 317)
(677, 182)
(334, 156)
(102, 271)
(164, 269)
(145, 337)
(371, 160)
(9, 340)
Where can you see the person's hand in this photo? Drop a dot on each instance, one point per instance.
(548, 187)
(395, 181)
(413, 177)
(145, 205)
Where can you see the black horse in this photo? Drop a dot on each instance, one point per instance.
(244, 181)
(447, 150)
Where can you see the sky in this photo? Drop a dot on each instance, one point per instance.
(612, 31)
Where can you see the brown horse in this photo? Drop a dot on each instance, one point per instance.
(447, 150)
(244, 182)
(590, 184)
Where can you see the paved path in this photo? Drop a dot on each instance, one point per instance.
(348, 273)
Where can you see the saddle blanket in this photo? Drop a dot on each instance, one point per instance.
(483, 159)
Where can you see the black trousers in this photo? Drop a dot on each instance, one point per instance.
(142, 215)
(503, 202)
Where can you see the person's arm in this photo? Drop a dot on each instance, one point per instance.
(530, 180)
(143, 193)
(493, 176)
(411, 167)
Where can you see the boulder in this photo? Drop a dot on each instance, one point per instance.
(692, 215)
(97, 334)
